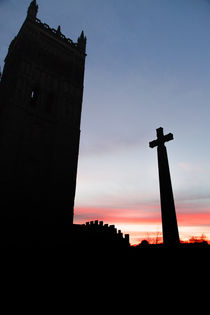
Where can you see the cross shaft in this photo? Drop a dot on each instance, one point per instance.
(169, 221)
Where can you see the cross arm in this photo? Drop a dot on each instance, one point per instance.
(153, 144)
(161, 140)
(168, 137)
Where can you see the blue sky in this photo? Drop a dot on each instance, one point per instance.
(148, 65)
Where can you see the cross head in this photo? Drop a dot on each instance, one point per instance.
(161, 138)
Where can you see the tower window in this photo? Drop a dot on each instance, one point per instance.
(34, 97)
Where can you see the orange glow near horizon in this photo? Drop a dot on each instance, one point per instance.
(147, 225)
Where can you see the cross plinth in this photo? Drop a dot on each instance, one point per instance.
(169, 221)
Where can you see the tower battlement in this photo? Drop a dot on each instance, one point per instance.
(61, 37)
(39, 30)
(32, 17)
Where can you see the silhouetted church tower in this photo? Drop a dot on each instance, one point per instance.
(41, 95)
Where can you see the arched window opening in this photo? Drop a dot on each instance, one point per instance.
(34, 97)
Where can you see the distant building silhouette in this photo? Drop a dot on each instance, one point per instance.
(97, 235)
(41, 94)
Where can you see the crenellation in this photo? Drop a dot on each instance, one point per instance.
(104, 232)
(58, 35)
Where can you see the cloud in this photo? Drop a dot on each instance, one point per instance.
(190, 167)
(145, 223)
(144, 215)
(192, 200)
(106, 145)
(194, 219)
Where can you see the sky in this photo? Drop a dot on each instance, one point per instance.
(147, 66)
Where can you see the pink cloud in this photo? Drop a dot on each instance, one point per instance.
(194, 219)
(116, 215)
(190, 167)
(136, 221)
(140, 216)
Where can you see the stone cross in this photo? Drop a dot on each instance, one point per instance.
(169, 221)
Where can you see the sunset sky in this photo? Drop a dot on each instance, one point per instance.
(147, 66)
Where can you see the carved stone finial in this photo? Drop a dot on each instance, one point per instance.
(59, 29)
(81, 41)
(33, 9)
